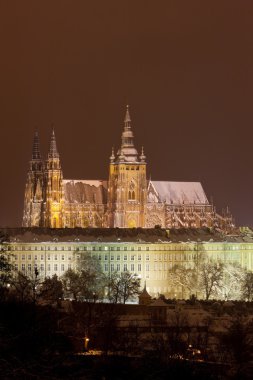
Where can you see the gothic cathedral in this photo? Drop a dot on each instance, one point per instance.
(126, 200)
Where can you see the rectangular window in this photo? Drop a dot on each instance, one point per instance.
(118, 257)
(112, 267)
(139, 248)
(23, 267)
(106, 257)
(48, 267)
(132, 267)
(55, 267)
(55, 257)
(99, 257)
(62, 257)
(125, 267)
(139, 267)
(125, 257)
(41, 257)
(23, 257)
(112, 257)
(132, 257)
(132, 248)
(147, 267)
(139, 257)
(48, 257)
(29, 257)
(125, 248)
(42, 267)
(147, 257)
(35, 248)
(35, 257)
(15, 257)
(29, 267)
(69, 266)
(118, 267)
(106, 267)
(62, 267)
(147, 248)
(55, 248)
(16, 267)
(93, 248)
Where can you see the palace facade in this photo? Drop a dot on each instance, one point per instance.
(149, 253)
(126, 200)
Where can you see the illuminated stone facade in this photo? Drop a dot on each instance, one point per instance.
(149, 253)
(126, 200)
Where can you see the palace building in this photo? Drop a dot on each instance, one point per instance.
(126, 200)
(151, 253)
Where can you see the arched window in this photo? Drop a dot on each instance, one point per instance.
(133, 195)
(129, 195)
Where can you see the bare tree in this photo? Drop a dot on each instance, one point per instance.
(247, 287)
(51, 289)
(210, 278)
(184, 279)
(87, 281)
(123, 286)
(233, 277)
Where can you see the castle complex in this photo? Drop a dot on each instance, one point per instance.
(126, 200)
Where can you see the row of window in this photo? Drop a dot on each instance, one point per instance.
(127, 248)
(41, 268)
(42, 257)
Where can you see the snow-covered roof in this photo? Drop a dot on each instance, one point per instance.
(180, 192)
(85, 191)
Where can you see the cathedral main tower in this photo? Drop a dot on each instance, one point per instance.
(127, 186)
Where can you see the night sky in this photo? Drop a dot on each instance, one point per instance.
(184, 67)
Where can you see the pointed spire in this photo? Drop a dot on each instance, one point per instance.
(112, 158)
(36, 149)
(53, 152)
(142, 156)
(127, 119)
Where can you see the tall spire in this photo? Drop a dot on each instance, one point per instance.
(53, 152)
(127, 119)
(36, 149)
(127, 152)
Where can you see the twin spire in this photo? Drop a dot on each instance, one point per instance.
(53, 152)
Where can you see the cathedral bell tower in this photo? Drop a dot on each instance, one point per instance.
(127, 186)
(34, 188)
(53, 205)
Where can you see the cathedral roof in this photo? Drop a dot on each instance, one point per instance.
(85, 191)
(179, 192)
